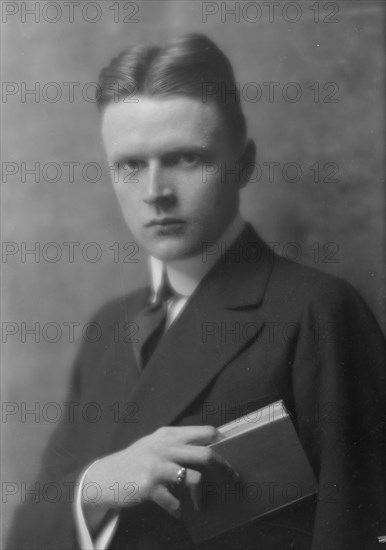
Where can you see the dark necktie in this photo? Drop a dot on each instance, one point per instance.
(151, 322)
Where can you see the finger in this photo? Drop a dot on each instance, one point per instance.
(201, 435)
(190, 485)
(201, 459)
(168, 474)
(195, 435)
(164, 498)
(193, 484)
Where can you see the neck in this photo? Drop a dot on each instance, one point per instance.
(185, 275)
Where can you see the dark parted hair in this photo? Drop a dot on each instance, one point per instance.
(191, 65)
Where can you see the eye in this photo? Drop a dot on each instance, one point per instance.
(131, 165)
(189, 159)
(181, 159)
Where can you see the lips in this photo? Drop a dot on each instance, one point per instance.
(163, 222)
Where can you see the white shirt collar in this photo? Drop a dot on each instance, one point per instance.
(185, 275)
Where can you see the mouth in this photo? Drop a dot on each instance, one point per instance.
(164, 222)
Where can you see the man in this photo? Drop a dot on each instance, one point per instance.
(225, 327)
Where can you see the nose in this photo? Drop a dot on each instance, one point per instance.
(158, 190)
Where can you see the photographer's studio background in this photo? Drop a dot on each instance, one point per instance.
(347, 213)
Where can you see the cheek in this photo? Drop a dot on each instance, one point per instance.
(211, 194)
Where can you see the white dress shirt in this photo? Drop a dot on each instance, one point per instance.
(184, 277)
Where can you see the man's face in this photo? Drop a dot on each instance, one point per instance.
(169, 155)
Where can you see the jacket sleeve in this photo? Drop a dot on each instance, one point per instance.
(338, 390)
(47, 520)
(85, 538)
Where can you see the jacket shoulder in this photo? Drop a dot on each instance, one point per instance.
(292, 282)
(304, 290)
(308, 281)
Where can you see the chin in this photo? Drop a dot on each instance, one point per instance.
(170, 251)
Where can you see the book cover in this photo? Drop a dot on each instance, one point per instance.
(264, 448)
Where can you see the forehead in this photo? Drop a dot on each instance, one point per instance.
(156, 124)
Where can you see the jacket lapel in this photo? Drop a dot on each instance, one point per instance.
(220, 319)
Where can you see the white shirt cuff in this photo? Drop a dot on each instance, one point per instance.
(85, 540)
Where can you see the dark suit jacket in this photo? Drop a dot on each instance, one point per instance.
(257, 329)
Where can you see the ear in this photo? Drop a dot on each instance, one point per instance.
(247, 162)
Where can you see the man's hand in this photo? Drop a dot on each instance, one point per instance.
(147, 469)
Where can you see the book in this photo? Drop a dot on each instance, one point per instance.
(264, 448)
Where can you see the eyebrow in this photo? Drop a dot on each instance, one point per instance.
(182, 150)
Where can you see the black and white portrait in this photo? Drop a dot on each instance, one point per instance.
(193, 275)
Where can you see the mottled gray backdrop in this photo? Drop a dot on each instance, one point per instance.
(328, 122)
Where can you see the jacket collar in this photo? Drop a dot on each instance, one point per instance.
(185, 275)
(191, 354)
(240, 276)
